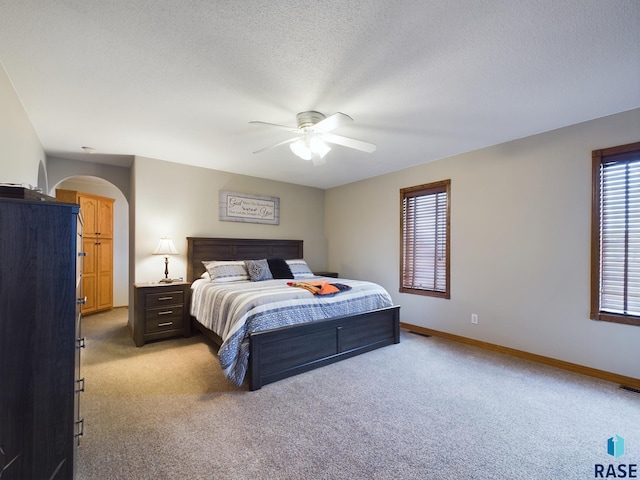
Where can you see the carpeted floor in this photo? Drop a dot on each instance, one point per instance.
(424, 409)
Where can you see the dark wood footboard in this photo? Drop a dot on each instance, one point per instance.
(287, 351)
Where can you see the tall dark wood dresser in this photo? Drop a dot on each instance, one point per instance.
(39, 338)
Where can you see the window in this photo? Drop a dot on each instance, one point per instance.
(615, 235)
(424, 228)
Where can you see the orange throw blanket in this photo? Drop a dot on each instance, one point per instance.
(317, 288)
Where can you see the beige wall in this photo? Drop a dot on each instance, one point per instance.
(520, 239)
(182, 201)
(21, 153)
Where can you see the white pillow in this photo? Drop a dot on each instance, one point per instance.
(300, 269)
(226, 271)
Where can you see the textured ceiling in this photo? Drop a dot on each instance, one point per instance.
(423, 79)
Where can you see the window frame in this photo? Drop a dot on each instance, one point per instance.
(622, 153)
(443, 186)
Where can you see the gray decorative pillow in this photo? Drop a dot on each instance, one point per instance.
(258, 270)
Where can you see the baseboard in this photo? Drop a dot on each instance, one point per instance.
(552, 362)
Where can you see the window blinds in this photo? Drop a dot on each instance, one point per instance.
(620, 236)
(424, 239)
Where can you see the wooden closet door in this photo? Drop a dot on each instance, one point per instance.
(105, 218)
(89, 209)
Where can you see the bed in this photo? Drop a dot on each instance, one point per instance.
(281, 352)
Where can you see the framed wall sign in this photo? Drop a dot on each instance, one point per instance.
(242, 207)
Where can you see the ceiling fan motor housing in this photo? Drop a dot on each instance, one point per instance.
(308, 119)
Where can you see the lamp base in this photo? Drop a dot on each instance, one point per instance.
(166, 280)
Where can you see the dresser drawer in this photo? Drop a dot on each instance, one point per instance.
(167, 318)
(171, 297)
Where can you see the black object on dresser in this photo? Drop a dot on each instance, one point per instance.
(161, 311)
(39, 339)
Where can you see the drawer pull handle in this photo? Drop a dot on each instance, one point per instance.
(81, 387)
(165, 298)
(79, 429)
(165, 324)
(168, 312)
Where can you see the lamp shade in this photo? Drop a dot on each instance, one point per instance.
(165, 247)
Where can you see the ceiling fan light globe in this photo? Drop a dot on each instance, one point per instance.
(300, 149)
(319, 147)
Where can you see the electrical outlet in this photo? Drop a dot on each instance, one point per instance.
(474, 318)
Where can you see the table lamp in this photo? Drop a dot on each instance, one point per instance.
(166, 248)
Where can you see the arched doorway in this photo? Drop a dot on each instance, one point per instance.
(104, 188)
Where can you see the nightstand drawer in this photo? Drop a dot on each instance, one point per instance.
(171, 297)
(167, 318)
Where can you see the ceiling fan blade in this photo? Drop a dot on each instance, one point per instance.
(332, 122)
(284, 127)
(349, 142)
(291, 140)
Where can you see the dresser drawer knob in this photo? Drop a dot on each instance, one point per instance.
(165, 324)
(165, 298)
(168, 312)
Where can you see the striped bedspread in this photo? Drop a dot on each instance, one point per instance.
(234, 310)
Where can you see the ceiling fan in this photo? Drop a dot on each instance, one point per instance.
(313, 135)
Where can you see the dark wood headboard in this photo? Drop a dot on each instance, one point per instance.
(203, 248)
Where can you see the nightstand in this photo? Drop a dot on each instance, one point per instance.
(326, 274)
(161, 310)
